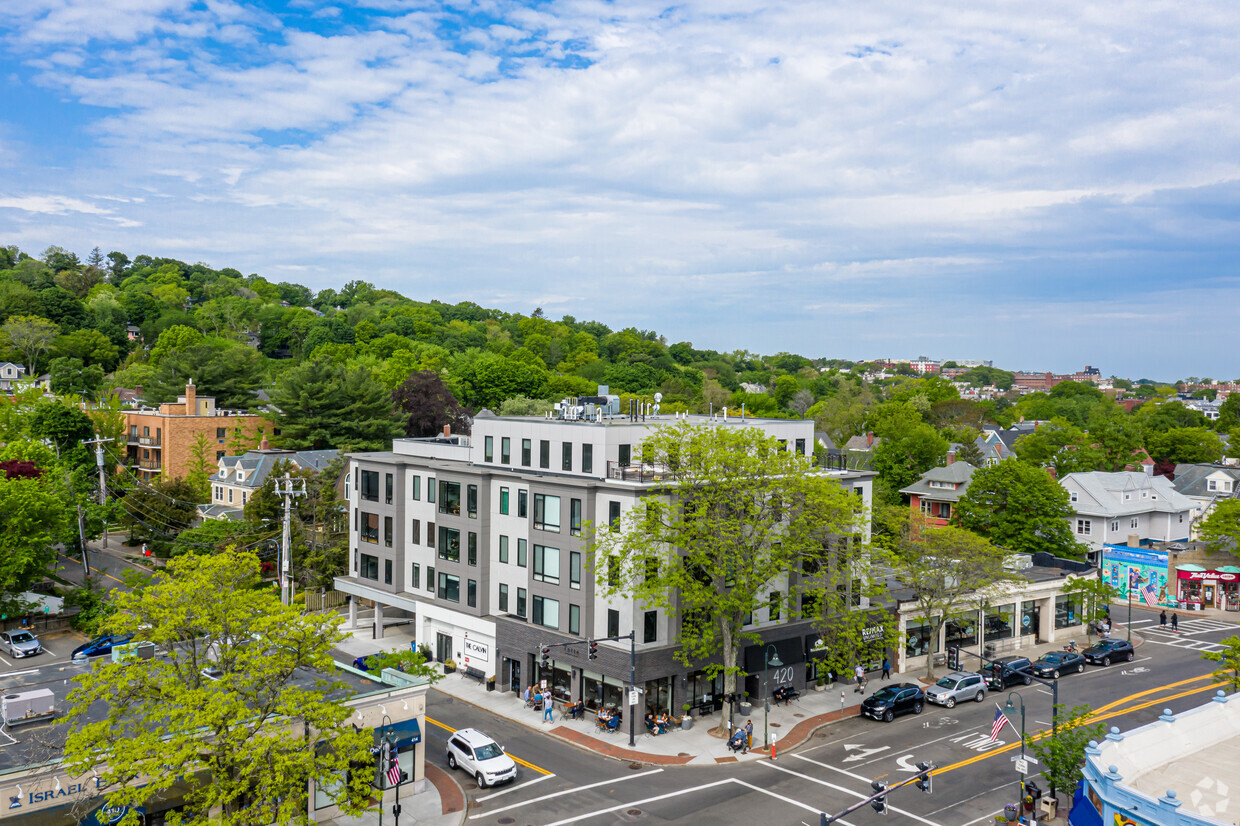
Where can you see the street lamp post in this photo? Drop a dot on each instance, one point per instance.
(768, 660)
(1009, 709)
(1129, 605)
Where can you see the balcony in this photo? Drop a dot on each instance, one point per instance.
(637, 473)
(150, 464)
(148, 441)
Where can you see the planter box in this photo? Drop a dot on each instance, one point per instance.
(449, 670)
(744, 709)
(686, 723)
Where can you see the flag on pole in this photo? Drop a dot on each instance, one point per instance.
(393, 772)
(1000, 721)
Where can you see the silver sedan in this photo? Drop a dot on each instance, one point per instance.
(20, 643)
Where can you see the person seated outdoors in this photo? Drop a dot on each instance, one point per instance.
(652, 724)
(576, 710)
(664, 722)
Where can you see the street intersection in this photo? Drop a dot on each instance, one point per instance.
(560, 784)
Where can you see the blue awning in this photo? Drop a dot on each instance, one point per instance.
(405, 733)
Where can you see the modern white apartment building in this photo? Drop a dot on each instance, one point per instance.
(480, 541)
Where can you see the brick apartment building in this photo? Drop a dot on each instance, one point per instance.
(161, 441)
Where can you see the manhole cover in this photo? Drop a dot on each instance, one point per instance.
(820, 735)
(506, 820)
(684, 754)
(633, 812)
(798, 716)
(774, 725)
(636, 766)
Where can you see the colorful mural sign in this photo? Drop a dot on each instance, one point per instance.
(1125, 819)
(1138, 575)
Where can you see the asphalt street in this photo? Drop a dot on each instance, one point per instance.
(560, 784)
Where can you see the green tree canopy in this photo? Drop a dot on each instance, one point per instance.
(321, 404)
(1019, 506)
(1220, 531)
(166, 719)
(1188, 445)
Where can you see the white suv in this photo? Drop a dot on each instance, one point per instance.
(473, 751)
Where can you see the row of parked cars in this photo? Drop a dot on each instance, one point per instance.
(960, 686)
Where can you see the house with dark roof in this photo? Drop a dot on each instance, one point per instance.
(1206, 485)
(239, 476)
(999, 443)
(938, 490)
(1125, 508)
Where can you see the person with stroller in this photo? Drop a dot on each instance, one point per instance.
(737, 741)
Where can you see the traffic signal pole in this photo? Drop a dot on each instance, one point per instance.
(879, 799)
(544, 659)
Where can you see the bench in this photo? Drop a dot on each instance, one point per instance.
(785, 695)
(473, 674)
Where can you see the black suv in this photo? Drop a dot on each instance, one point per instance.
(1108, 651)
(1007, 671)
(887, 702)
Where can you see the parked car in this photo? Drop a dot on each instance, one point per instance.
(1007, 671)
(20, 644)
(893, 700)
(1058, 663)
(1105, 652)
(100, 646)
(482, 757)
(957, 687)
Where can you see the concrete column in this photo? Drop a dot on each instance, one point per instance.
(1046, 620)
(353, 612)
(378, 620)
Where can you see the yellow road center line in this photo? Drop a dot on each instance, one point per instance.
(1094, 717)
(515, 759)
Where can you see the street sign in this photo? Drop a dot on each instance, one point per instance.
(1022, 766)
(1028, 757)
(634, 697)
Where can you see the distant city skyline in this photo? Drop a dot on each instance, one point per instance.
(1024, 183)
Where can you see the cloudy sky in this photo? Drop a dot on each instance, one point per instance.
(1043, 184)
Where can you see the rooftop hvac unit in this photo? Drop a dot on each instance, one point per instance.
(28, 707)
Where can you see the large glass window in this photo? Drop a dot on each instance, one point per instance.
(574, 517)
(598, 691)
(961, 630)
(503, 500)
(1067, 611)
(472, 549)
(471, 593)
(574, 569)
(387, 572)
(488, 449)
(546, 612)
(547, 564)
(1000, 621)
(566, 458)
(613, 622)
(587, 458)
(626, 452)
(520, 602)
(430, 489)
(430, 578)
(449, 544)
(450, 587)
(1029, 619)
(415, 576)
(450, 497)
(650, 626)
(547, 512)
(387, 488)
(574, 619)
(544, 454)
(370, 528)
(613, 515)
(387, 531)
(415, 532)
(503, 597)
(523, 503)
(505, 450)
(918, 640)
(369, 567)
(503, 549)
(521, 553)
(471, 501)
(370, 485)
(526, 449)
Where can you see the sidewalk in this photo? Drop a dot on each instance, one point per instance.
(442, 804)
(790, 725)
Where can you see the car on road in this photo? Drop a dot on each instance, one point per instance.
(100, 646)
(1057, 663)
(957, 687)
(481, 757)
(20, 644)
(1008, 671)
(1105, 652)
(890, 701)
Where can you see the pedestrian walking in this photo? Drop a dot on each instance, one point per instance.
(1175, 622)
(1162, 619)
(748, 735)
(886, 669)
(860, 675)
(548, 705)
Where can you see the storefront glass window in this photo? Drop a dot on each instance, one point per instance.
(918, 641)
(658, 696)
(597, 689)
(704, 689)
(1067, 611)
(1029, 619)
(961, 630)
(999, 619)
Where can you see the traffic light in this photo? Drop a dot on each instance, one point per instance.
(544, 656)
(953, 658)
(594, 649)
(879, 803)
(925, 784)
(1033, 796)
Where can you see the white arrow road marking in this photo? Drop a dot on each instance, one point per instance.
(861, 795)
(905, 765)
(861, 752)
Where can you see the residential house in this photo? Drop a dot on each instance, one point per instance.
(481, 539)
(1206, 484)
(859, 450)
(938, 490)
(162, 441)
(239, 476)
(998, 443)
(1126, 508)
(10, 374)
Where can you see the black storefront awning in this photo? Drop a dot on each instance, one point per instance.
(791, 651)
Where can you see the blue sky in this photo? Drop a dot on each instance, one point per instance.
(1045, 185)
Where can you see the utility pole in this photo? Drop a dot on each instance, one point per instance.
(103, 479)
(286, 552)
(80, 520)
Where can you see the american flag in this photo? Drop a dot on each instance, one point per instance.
(999, 723)
(1149, 596)
(393, 773)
